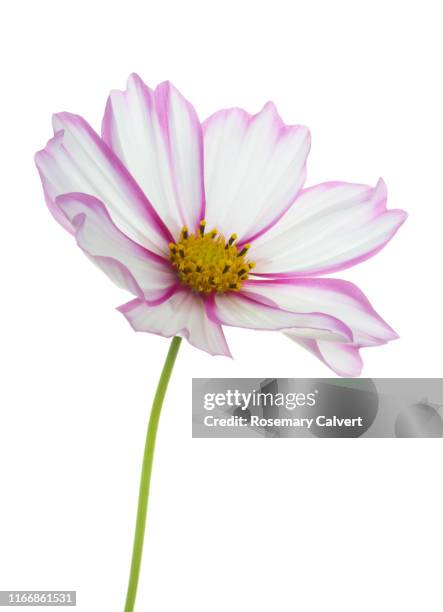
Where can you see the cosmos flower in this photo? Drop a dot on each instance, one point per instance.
(209, 224)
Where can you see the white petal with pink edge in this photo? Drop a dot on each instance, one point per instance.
(334, 297)
(77, 160)
(183, 314)
(158, 136)
(343, 359)
(117, 273)
(254, 169)
(113, 251)
(244, 310)
(330, 227)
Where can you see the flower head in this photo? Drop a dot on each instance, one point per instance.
(208, 224)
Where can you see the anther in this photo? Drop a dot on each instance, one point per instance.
(206, 262)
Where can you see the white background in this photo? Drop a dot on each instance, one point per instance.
(233, 524)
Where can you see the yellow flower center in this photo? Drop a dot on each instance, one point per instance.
(206, 262)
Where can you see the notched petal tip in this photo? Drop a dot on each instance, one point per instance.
(53, 143)
(381, 187)
(134, 78)
(58, 120)
(402, 216)
(380, 196)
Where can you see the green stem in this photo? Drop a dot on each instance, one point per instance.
(145, 479)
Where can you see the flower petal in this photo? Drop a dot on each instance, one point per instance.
(183, 314)
(334, 297)
(77, 160)
(330, 227)
(254, 169)
(117, 273)
(158, 136)
(111, 250)
(343, 359)
(251, 311)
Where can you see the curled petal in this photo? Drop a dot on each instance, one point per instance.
(183, 314)
(334, 297)
(330, 227)
(254, 169)
(77, 160)
(97, 235)
(244, 310)
(343, 359)
(117, 273)
(158, 136)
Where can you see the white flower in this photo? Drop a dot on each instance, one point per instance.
(209, 225)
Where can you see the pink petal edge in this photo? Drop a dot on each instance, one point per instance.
(379, 210)
(283, 130)
(107, 263)
(331, 323)
(334, 285)
(159, 100)
(126, 308)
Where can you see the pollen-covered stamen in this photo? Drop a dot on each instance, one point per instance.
(244, 250)
(231, 241)
(207, 263)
